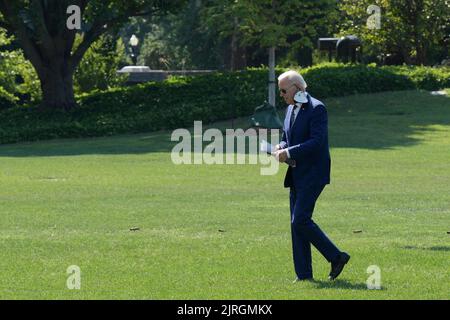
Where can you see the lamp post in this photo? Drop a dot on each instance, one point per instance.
(134, 42)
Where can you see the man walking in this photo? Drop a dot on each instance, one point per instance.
(304, 146)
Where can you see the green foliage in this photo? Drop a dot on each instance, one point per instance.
(41, 31)
(161, 48)
(176, 41)
(267, 23)
(7, 100)
(416, 30)
(18, 80)
(98, 68)
(424, 77)
(333, 79)
(180, 101)
(219, 34)
(292, 25)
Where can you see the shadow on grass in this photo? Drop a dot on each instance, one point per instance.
(435, 248)
(122, 144)
(386, 120)
(339, 284)
(375, 121)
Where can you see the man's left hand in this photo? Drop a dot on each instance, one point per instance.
(280, 155)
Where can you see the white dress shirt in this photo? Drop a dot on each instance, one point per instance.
(296, 111)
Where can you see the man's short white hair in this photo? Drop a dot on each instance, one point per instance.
(295, 78)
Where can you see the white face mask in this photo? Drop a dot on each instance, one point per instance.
(300, 97)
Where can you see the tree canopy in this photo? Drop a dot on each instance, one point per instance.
(416, 30)
(40, 27)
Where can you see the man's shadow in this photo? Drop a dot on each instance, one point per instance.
(340, 284)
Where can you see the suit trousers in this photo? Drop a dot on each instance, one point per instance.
(305, 232)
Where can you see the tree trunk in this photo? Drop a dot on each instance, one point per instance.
(420, 50)
(57, 88)
(405, 52)
(234, 48)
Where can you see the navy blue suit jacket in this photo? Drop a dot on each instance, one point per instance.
(307, 142)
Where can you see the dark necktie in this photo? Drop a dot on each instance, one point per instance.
(293, 116)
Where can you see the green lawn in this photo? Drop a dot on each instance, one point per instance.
(72, 202)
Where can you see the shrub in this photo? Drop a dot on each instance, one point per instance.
(7, 100)
(332, 79)
(179, 101)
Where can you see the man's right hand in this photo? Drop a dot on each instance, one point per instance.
(280, 155)
(277, 147)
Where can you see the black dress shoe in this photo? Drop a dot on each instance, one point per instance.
(338, 265)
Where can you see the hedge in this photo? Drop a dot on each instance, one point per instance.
(177, 102)
(7, 100)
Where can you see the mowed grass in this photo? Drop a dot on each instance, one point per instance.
(223, 231)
